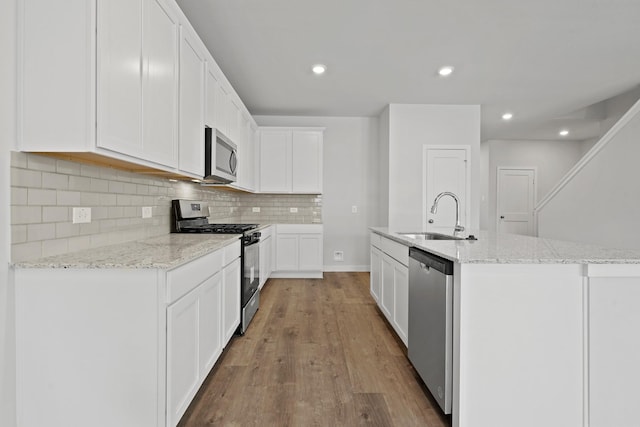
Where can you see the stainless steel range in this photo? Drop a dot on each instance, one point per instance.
(191, 216)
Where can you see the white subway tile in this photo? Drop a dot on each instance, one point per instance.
(18, 159)
(41, 163)
(116, 212)
(100, 212)
(55, 247)
(26, 214)
(55, 214)
(67, 229)
(100, 185)
(68, 198)
(142, 189)
(80, 183)
(18, 233)
(55, 180)
(90, 171)
(41, 232)
(79, 243)
(67, 167)
(36, 196)
(26, 178)
(26, 251)
(89, 228)
(116, 187)
(129, 188)
(90, 199)
(123, 200)
(108, 200)
(18, 196)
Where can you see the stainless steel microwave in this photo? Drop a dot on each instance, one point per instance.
(220, 158)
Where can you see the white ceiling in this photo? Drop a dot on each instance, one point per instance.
(540, 59)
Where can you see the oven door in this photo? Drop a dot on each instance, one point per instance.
(250, 271)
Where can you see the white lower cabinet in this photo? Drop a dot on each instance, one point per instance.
(266, 254)
(132, 345)
(231, 297)
(298, 251)
(389, 282)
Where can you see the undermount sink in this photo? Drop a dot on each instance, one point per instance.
(427, 235)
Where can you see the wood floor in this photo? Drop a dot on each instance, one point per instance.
(318, 353)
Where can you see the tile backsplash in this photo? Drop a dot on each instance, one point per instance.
(44, 191)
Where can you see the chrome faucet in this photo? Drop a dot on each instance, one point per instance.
(434, 208)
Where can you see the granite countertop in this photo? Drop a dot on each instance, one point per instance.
(493, 248)
(163, 252)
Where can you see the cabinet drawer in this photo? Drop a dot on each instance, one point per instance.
(231, 252)
(266, 232)
(186, 277)
(375, 240)
(299, 228)
(396, 250)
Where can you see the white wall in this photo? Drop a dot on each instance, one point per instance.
(383, 167)
(7, 141)
(601, 204)
(553, 159)
(410, 128)
(349, 179)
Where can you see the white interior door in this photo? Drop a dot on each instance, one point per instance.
(516, 199)
(446, 169)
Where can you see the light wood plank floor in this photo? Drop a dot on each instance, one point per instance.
(318, 353)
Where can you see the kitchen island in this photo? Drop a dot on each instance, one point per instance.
(544, 331)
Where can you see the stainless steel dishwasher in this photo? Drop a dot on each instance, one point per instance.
(431, 323)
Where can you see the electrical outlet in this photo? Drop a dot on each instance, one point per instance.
(338, 255)
(354, 209)
(255, 210)
(81, 215)
(147, 212)
(293, 210)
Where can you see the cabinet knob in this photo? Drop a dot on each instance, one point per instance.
(501, 216)
(430, 221)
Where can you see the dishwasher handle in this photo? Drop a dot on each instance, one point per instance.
(430, 260)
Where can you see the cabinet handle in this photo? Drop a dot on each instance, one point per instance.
(233, 162)
(501, 216)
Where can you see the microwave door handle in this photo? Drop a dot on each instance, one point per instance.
(233, 162)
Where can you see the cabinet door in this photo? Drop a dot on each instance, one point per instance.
(192, 67)
(387, 291)
(211, 105)
(231, 298)
(210, 323)
(306, 163)
(222, 109)
(275, 161)
(401, 300)
(265, 260)
(310, 255)
(119, 86)
(160, 90)
(183, 373)
(376, 269)
(287, 252)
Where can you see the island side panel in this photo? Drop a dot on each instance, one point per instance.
(614, 345)
(519, 338)
(88, 347)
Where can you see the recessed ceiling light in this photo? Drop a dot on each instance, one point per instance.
(319, 69)
(173, 180)
(507, 116)
(563, 132)
(445, 71)
(196, 180)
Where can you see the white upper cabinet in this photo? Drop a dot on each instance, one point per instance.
(192, 103)
(160, 88)
(137, 74)
(290, 160)
(121, 79)
(120, 65)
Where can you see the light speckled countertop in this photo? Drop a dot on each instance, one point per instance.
(492, 248)
(163, 252)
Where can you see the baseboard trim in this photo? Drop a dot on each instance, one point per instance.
(346, 268)
(296, 275)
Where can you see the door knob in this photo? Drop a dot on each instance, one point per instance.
(430, 221)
